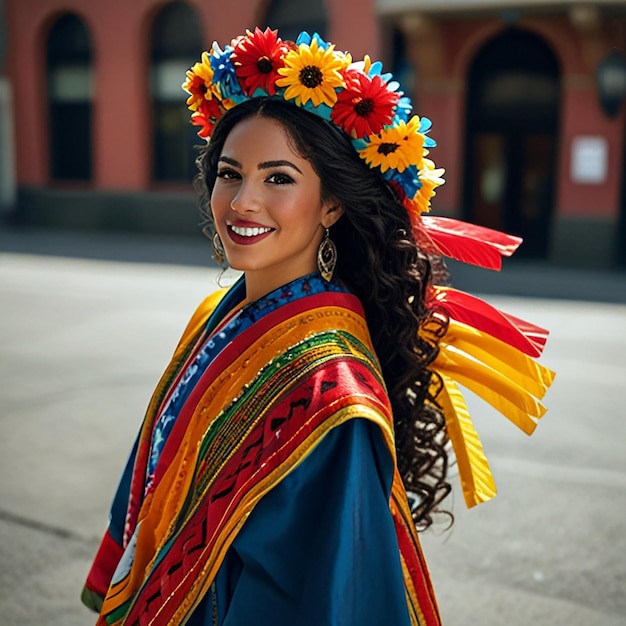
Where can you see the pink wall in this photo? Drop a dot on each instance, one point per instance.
(580, 118)
(120, 33)
(26, 51)
(121, 95)
(445, 111)
(581, 115)
(354, 27)
(443, 54)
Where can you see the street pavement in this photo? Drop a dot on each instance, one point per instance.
(86, 327)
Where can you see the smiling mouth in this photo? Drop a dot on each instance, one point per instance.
(247, 235)
(246, 231)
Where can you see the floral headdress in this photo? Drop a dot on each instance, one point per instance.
(488, 351)
(309, 73)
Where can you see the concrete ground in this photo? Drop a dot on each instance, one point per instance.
(84, 337)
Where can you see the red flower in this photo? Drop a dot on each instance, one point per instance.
(206, 125)
(365, 105)
(207, 114)
(211, 108)
(257, 58)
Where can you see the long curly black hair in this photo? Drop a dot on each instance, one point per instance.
(379, 261)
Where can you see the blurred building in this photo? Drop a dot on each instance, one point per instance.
(7, 152)
(527, 101)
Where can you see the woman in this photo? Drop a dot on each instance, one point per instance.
(309, 404)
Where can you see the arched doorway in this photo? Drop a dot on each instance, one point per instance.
(70, 87)
(176, 44)
(512, 126)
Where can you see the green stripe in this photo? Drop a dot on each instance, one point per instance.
(274, 380)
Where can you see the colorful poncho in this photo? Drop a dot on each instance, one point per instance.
(253, 401)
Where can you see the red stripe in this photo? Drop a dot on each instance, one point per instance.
(167, 587)
(104, 565)
(218, 365)
(223, 360)
(484, 317)
(418, 569)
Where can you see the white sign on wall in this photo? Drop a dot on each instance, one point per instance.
(589, 160)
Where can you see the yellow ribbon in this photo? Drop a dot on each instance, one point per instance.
(506, 378)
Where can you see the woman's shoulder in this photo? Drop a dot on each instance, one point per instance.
(202, 313)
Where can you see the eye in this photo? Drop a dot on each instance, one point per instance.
(279, 178)
(227, 173)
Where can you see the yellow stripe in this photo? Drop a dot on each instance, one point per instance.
(160, 510)
(171, 493)
(235, 520)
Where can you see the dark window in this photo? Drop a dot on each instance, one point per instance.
(291, 17)
(69, 74)
(512, 127)
(401, 67)
(176, 44)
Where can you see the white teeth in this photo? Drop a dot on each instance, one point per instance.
(249, 232)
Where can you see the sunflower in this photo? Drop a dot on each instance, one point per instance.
(395, 147)
(312, 73)
(365, 105)
(199, 84)
(257, 58)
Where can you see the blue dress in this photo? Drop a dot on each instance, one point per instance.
(320, 549)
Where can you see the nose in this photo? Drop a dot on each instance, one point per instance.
(246, 200)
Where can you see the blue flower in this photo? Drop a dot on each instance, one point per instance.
(305, 38)
(403, 110)
(224, 74)
(376, 69)
(425, 126)
(409, 179)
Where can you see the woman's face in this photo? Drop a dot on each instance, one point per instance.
(267, 206)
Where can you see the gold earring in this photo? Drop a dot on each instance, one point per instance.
(218, 249)
(327, 257)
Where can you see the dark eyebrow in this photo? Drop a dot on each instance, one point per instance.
(280, 163)
(264, 165)
(230, 161)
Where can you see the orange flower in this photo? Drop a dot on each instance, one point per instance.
(199, 84)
